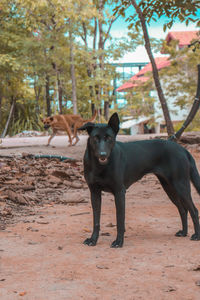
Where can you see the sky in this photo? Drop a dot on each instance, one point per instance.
(155, 30)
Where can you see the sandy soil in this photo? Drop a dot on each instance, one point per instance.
(42, 255)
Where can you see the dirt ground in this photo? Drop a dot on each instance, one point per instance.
(42, 256)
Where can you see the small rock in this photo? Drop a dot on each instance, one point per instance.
(197, 268)
(101, 267)
(73, 198)
(197, 282)
(170, 289)
(110, 225)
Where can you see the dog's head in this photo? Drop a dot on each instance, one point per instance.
(47, 122)
(102, 138)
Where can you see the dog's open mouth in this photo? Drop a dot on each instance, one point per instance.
(103, 160)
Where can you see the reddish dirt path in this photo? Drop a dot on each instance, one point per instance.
(42, 256)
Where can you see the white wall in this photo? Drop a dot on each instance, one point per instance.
(176, 113)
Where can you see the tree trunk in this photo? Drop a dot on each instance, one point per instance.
(170, 129)
(0, 109)
(193, 111)
(48, 99)
(60, 96)
(101, 48)
(9, 117)
(72, 69)
(60, 93)
(106, 110)
(37, 96)
(93, 108)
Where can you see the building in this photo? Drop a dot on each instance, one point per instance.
(183, 39)
(124, 71)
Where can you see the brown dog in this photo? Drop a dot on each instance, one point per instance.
(65, 123)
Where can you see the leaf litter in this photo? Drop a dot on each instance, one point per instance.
(28, 182)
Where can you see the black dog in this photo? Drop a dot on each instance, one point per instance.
(113, 166)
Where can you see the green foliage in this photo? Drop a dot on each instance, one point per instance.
(139, 101)
(25, 118)
(180, 79)
(194, 125)
(35, 44)
(186, 11)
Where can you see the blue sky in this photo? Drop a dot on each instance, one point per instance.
(155, 30)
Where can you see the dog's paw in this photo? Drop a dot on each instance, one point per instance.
(195, 237)
(117, 244)
(90, 242)
(181, 233)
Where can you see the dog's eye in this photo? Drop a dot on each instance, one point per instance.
(96, 139)
(107, 138)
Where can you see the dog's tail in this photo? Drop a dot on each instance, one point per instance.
(194, 174)
(92, 118)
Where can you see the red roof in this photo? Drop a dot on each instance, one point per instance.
(184, 37)
(139, 78)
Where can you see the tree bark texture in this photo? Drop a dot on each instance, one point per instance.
(193, 111)
(9, 117)
(37, 97)
(48, 99)
(73, 76)
(170, 129)
(0, 108)
(60, 93)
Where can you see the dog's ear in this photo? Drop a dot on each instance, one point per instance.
(88, 126)
(51, 118)
(114, 122)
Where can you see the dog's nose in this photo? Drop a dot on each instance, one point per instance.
(103, 154)
(103, 158)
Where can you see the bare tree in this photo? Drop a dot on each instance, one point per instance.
(72, 69)
(9, 117)
(99, 35)
(163, 102)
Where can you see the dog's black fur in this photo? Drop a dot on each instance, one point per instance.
(113, 166)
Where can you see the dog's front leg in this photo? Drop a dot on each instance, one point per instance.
(52, 136)
(96, 207)
(120, 216)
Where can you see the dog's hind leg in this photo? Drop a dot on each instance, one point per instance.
(75, 136)
(96, 206)
(170, 191)
(77, 139)
(68, 130)
(184, 193)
